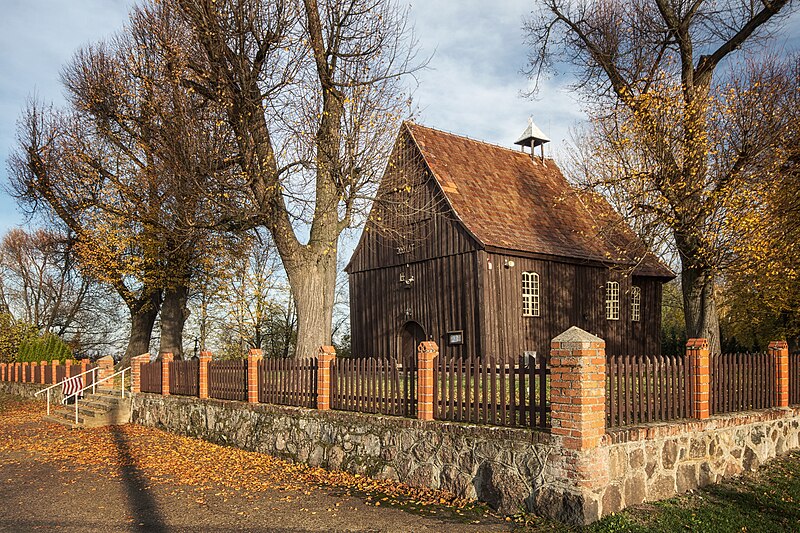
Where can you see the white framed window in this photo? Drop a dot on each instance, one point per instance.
(636, 304)
(530, 294)
(612, 300)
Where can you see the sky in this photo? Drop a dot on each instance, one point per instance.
(472, 86)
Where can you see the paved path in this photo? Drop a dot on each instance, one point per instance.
(131, 478)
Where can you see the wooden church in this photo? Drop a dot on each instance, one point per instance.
(489, 250)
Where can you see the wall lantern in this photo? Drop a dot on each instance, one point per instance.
(509, 263)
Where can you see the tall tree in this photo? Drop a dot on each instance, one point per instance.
(136, 168)
(54, 172)
(647, 69)
(313, 96)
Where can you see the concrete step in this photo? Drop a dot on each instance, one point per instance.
(95, 410)
(62, 421)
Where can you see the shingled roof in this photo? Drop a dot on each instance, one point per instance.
(509, 200)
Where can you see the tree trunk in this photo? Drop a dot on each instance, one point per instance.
(174, 313)
(143, 316)
(313, 284)
(700, 308)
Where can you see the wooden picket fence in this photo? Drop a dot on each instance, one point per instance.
(151, 377)
(487, 391)
(794, 379)
(375, 385)
(288, 382)
(184, 377)
(742, 381)
(647, 388)
(227, 380)
(32, 373)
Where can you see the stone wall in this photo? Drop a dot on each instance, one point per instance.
(29, 390)
(511, 469)
(505, 467)
(654, 462)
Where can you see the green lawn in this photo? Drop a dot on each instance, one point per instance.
(767, 501)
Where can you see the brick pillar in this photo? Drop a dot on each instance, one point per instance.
(84, 364)
(780, 355)
(105, 369)
(325, 358)
(578, 389)
(2, 371)
(166, 359)
(427, 353)
(699, 362)
(253, 357)
(54, 366)
(67, 367)
(42, 365)
(205, 358)
(136, 371)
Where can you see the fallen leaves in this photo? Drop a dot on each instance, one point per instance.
(158, 457)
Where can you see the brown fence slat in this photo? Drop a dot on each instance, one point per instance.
(645, 389)
(150, 374)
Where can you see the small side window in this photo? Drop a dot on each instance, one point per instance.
(636, 304)
(612, 300)
(530, 294)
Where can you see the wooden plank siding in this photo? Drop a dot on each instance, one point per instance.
(439, 232)
(443, 297)
(570, 295)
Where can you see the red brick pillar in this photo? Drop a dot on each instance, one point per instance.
(136, 371)
(578, 389)
(325, 358)
(166, 359)
(105, 369)
(42, 365)
(205, 358)
(780, 355)
(427, 353)
(54, 367)
(253, 357)
(3, 371)
(699, 362)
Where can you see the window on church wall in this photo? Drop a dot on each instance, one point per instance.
(612, 300)
(636, 304)
(530, 294)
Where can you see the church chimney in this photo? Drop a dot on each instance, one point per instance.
(533, 137)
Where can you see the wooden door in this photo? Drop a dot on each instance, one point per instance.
(411, 334)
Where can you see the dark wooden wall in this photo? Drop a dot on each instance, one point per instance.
(443, 297)
(431, 230)
(570, 295)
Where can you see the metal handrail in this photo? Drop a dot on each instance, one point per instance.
(75, 394)
(95, 369)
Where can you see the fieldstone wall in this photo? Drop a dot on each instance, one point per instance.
(655, 462)
(507, 468)
(511, 469)
(29, 390)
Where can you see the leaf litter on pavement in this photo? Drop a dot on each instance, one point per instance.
(164, 457)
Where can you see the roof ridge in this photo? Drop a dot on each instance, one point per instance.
(467, 137)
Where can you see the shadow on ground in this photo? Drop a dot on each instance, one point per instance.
(141, 503)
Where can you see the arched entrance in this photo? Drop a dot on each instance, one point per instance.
(411, 334)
